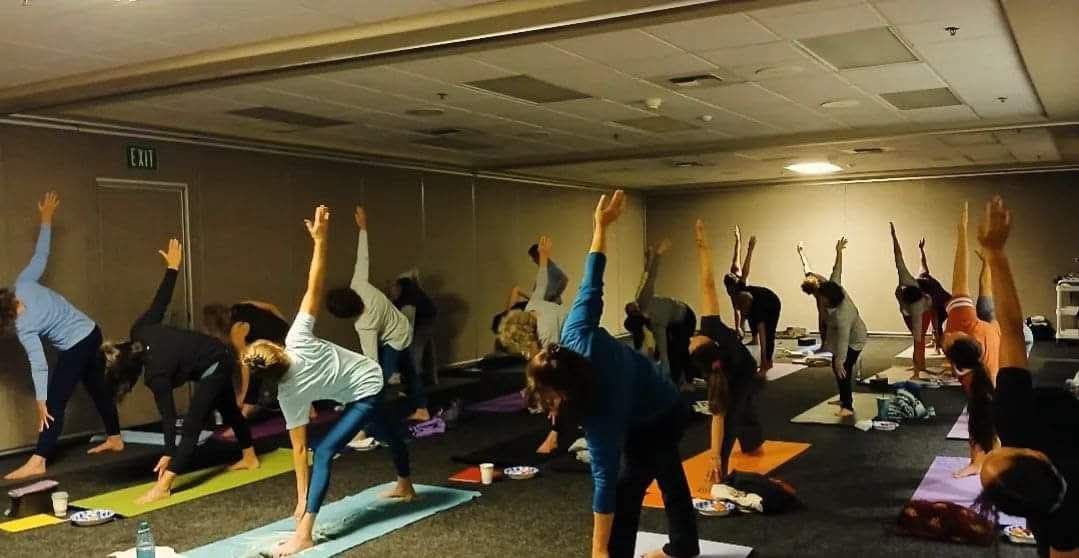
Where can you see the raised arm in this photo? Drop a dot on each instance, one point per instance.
(361, 274)
(960, 284)
(36, 268)
(316, 276)
(737, 256)
(806, 270)
(923, 266)
(647, 289)
(837, 268)
(588, 306)
(539, 291)
(993, 235)
(155, 314)
(705, 275)
(749, 259)
(905, 278)
(985, 280)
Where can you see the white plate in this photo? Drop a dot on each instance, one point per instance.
(1019, 535)
(89, 518)
(520, 473)
(713, 508)
(885, 425)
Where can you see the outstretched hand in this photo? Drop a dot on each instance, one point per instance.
(319, 226)
(841, 244)
(801, 246)
(964, 217)
(921, 244)
(361, 217)
(610, 208)
(47, 206)
(700, 235)
(993, 233)
(664, 245)
(752, 242)
(737, 232)
(173, 255)
(545, 246)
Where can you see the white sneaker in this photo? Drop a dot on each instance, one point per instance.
(366, 444)
(395, 379)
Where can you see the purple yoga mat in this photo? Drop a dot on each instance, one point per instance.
(271, 426)
(959, 430)
(509, 403)
(938, 485)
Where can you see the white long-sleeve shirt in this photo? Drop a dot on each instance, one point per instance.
(381, 322)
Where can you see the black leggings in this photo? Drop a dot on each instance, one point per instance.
(741, 421)
(846, 395)
(212, 393)
(651, 453)
(678, 335)
(81, 363)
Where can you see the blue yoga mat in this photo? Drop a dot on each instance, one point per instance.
(343, 524)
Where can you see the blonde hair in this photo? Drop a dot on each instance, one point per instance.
(518, 333)
(268, 360)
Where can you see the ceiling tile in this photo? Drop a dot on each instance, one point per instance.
(957, 113)
(901, 12)
(894, 77)
(678, 64)
(713, 33)
(601, 81)
(757, 56)
(813, 90)
(453, 69)
(631, 44)
(598, 109)
(527, 59)
(819, 22)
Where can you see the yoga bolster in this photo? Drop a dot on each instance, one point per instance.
(31, 499)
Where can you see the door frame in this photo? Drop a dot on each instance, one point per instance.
(180, 188)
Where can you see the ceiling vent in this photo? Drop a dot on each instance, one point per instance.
(921, 98)
(527, 88)
(866, 150)
(282, 116)
(425, 112)
(699, 81)
(860, 49)
(656, 124)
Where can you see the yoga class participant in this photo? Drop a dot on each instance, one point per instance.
(38, 312)
(986, 308)
(555, 281)
(308, 369)
(938, 296)
(385, 334)
(1036, 474)
(914, 304)
(847, 333)
(728, 367)
(811, 286)
(972, 346)
(413, 302)
(632, 414)
(736, 279)
(168, 358)
(240, 325)
(671, 321)
(760, 306)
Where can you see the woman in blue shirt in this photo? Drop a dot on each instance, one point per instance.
(628, 409)
(36, 312)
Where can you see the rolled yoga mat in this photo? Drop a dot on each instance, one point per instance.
(865, 408)
(272, 426)
(343, 524)
(190, 486)
(647, 542)
(960, 430)
(939, 485)
(772, 456)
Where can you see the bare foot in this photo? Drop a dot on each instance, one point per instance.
(153, 495)
(246, 463)
(292, 546)
(657, 553)
(112, 443)
(420, 415)
(33, 467)
(844, 412)
(968, 471)
(550, 443)
(403, 491)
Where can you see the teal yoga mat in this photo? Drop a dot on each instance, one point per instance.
(343, 524)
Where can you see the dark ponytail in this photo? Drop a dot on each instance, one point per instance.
(965, 353)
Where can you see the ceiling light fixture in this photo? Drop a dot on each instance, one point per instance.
(778, 71)
(425, 112)
(814, 167)
(686, 164)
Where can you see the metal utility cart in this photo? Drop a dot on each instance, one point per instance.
(1068, 309)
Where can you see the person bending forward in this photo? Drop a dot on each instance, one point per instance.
(847, 333)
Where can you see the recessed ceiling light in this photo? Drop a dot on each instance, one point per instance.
(778, 71)
(814, 167)
(840, 104)
(425, 112)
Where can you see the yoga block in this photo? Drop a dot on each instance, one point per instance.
(31, 499)
(807, 341)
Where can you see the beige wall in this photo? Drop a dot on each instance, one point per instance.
(1041, 248)
(468, 237)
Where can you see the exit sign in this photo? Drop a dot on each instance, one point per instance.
(141, 157)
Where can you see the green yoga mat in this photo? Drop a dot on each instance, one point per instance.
(190, 486)
(865, 407)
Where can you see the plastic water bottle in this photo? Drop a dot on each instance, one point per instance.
(144, 541)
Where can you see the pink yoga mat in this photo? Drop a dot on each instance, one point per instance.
(938, 485)
(959, 430)
(509, 403)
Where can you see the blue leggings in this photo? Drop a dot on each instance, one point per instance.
(366, 413)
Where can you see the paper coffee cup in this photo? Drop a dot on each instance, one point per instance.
(487, 473)
(59, 503)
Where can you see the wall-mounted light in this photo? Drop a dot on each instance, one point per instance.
(814, 167)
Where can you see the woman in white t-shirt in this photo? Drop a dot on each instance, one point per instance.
(309, 369)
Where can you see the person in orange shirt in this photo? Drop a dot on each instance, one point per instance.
(972, 346)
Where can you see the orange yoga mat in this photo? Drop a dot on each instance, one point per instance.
(773, 455)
